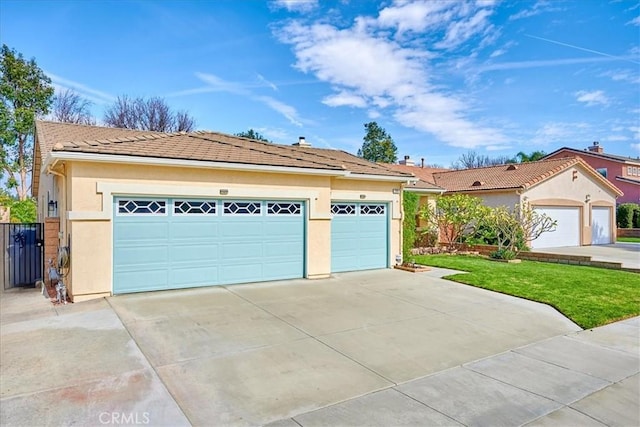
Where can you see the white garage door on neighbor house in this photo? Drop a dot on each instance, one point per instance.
(567, 232)
(600, 225)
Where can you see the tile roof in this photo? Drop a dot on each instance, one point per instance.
(575, 152)
(512, 176)
(425, 176)
(198, 146)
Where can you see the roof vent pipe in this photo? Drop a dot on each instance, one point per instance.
(422, 162)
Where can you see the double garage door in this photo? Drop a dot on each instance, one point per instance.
(567, 232)
(171, 243)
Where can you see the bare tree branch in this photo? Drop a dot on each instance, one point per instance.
(69, 107)
(152, 114)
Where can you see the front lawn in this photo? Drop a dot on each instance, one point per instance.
(588, 296)
(628, 239)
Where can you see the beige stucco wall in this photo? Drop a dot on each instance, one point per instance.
(571, 188)
(92, 186)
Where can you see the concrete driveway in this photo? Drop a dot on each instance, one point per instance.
(626, 253)
(325, 352)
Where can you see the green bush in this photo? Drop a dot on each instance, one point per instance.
(625, 215)
(410, 203)
(21, 211)
(636, 217)
(503, 254)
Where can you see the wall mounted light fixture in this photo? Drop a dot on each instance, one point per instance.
(52, 208)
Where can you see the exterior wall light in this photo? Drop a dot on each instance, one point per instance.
(587, 198)
(363, 196)
(224, 192)
(52, 208)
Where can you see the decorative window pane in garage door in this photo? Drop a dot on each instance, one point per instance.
(359, 236)
(196, 244)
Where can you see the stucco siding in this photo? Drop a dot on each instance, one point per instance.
(574, 187)
(90, 209)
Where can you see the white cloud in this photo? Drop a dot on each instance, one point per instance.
(344, 98)
(625, 75)
(634, 21)
(562, 133)
(497, 52)
(615, 138)
(267, 82)
(217, 84)
(592, 98)
(636, 147)
(350, 60)
(287, 111)
(295, 5)
(96, 96)
(539, 7)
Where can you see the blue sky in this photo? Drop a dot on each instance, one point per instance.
(442, 77)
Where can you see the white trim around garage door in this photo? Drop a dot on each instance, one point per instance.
(111, 189)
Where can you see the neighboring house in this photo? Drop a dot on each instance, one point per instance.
(424, 186)
(621, 171)
(568, 190)
(147, 211)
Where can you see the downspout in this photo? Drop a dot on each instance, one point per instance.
(63, 187)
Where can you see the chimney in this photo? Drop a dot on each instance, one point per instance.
(407, 161)
(301, 142)
(596, 148)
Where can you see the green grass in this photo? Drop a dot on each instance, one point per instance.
(588, 296)
(629, 239)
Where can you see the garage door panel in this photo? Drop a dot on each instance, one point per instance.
(143, 280)
(567, 232)
(359, 236)
(137, 230)
(141, 254)
(240, 273)
(195, 230)
(196, 252)
(600, 225)
(188, 247)
(194, 276)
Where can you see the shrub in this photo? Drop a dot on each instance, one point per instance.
(426, 238)
(625, 215)
(503, 254)
(410, 206)
(636, 217)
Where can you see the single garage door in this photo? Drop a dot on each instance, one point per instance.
(600, 226)
(359, 236)
(165, 243)
(567, 232)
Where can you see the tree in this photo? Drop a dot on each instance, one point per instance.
(454, 216)
(513, 226)
(410, 202)
(252, 134)
(21, 210)
(473, 160)
(26, 93)
(534, 156)
(69, 107)
(152, 114)
(378, 145)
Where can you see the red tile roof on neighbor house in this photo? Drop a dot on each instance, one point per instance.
(59, 138)
(512, 176)
(424, 174)
(571, 152)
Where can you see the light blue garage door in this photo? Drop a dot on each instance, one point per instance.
(359, 236)
(165, 243)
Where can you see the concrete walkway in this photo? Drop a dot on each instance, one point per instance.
(371, 348)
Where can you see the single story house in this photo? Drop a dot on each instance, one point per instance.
(144, 211)
(568, 190)
(621, 171)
